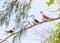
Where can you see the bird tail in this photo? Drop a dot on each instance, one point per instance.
(5, 30)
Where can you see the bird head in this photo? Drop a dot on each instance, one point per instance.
(41, 12)
(13, 29)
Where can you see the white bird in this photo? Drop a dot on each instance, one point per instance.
(35, 21)
(45, 18)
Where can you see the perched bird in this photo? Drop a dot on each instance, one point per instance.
(10, 31)
(35, 21)
(45, 18)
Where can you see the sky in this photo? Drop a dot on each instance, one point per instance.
(33, 35)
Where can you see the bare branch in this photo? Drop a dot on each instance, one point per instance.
(28, 28)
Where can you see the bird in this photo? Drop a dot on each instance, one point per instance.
(10, 31)
(35, 21)
(45, 18)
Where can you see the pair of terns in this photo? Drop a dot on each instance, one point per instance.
(44, 18)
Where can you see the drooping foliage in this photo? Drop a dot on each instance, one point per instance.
(19, 9)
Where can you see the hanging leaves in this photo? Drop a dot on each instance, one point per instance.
(3, 19)
(7, 12)
(21, 15)
(17, 6)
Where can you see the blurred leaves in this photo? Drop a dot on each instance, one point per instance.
(58, 10)
(21, 11)
(54, 38)
(57, 37)
(57, 24)
(50, 2)
(3, 19)
(6, 14)
(49, 38)
(59, 15)
(21, 16)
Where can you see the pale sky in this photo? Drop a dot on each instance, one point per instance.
(33, 35)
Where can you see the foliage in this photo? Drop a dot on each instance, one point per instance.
(57, 24)
(55, 36)
(6, 14)
(59, 15)
(50, 2)
(20, 11)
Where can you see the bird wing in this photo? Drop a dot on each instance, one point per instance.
(46, 17)
(6, 31)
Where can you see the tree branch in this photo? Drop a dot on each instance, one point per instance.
(28, 28)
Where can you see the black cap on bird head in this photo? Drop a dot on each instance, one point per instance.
(41, 12)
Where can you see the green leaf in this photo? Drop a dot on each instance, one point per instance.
(57, 24)
(59, 15)
(48, 3)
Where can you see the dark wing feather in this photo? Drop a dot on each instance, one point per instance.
(36, 21)
(46, 17)
(10, 31)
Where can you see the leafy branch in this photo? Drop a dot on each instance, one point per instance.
(21, 15)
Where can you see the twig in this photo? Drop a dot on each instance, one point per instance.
(28, 28)
(5, 41)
